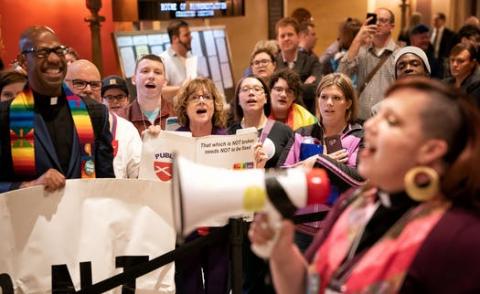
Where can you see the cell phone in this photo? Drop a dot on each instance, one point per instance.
(373, 20)
(333, 143)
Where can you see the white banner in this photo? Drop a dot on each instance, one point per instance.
(94, 221)
(225, 151)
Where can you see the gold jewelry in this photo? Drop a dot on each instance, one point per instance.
(418, 192)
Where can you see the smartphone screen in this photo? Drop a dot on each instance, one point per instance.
(373, 20)
(333, 143)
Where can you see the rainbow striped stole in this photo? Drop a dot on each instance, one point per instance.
(86, 137)
(22, 130)
(22, 134)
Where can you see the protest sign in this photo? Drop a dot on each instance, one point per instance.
(106, 224)
(225, 151)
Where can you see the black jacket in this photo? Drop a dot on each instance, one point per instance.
(45, 155)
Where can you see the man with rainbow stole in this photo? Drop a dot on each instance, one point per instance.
(48, 134)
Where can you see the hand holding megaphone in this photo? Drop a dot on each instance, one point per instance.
(266, 240)
(283, 205)
(264, 233)
(201, 193)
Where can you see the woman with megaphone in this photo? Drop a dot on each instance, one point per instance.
(414, 227)
(199, 108)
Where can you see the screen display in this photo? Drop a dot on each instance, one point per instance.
(170, 9)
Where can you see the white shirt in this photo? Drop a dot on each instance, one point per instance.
(175, 67)
(129, 149)
(436, 46)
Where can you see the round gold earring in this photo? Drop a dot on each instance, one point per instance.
(418, 192)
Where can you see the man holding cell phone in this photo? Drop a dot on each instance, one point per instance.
(371, 57)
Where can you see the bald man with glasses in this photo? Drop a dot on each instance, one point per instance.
(47, 133)
(83, 78)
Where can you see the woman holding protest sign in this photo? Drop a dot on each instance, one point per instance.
(199, 108)
(251, 105)
(413, 228)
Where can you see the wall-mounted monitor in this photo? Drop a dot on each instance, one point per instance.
(170, 9)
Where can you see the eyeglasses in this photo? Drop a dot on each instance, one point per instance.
(261, 62)
(196, 98)
(115, 97)
(281, 89)
(44, 52)
(81, 84)
(256, 89)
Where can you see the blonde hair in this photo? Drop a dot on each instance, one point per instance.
(270, 45)
(219, 116)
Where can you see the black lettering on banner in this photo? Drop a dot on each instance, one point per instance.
(61, 280)
(85, 274)
(6, 284)
(127, 262)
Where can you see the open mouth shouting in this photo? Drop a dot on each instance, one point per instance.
(368, 150)
(251, 102)
(201, 111)
(151, 85)
(200, 114)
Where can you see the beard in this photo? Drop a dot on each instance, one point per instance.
(186, 45)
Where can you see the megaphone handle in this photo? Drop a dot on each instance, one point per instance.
(265, 251)
(275, 222)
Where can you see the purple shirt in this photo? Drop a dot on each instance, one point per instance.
(215, 130)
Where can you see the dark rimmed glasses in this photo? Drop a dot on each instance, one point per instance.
(82, 84)
(44, 52)
(115, 97)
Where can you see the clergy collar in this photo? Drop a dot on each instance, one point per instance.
(46, 101)
(395, 200)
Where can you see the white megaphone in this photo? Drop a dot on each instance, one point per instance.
(202, 193)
